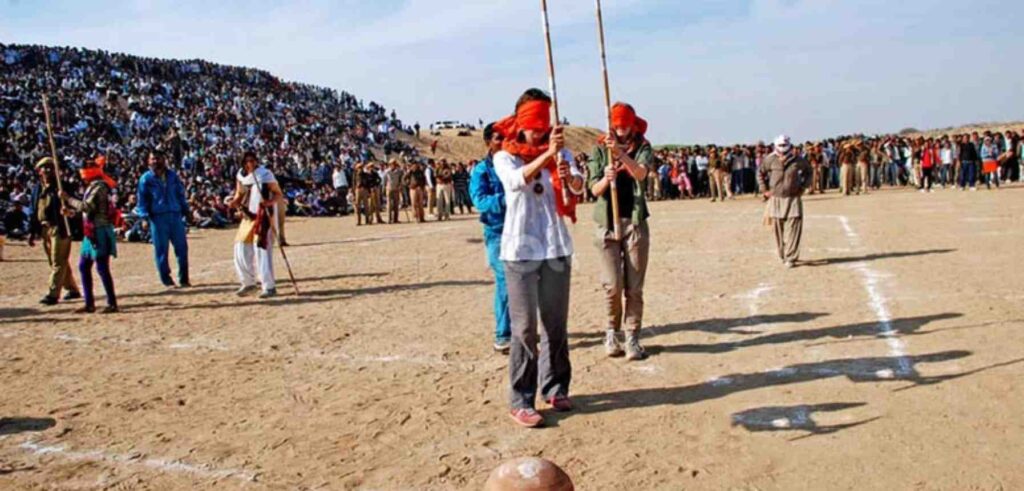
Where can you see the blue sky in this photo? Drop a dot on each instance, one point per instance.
(698, 70)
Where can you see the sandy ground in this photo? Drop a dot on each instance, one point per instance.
(889, 362)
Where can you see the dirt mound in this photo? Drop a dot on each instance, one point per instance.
(451, 146)
(970, 128)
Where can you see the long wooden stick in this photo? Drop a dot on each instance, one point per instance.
(53, 155)
(617, 226)
(552, 86)
(287, 264)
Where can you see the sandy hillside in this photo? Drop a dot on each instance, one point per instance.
(980, 128)
(466, 148)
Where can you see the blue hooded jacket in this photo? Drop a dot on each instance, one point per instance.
(488, 196)
(159, 196)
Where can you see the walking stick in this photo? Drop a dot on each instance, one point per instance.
(617, 226)
(288, 265)
(552, 86)
(53, 155)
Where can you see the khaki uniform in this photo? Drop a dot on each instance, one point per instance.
(56, 242)
(720, 178)
(847, 161)
(787, 178)
(417, 183)
(863, 165)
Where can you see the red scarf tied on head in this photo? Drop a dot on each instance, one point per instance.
(536, 116)
(624, 116)
(90, 174)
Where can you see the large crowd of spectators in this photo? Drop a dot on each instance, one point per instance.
(955, 160)
(203, 116)
(315, 140)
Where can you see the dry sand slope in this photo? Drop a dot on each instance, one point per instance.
(891, 362)
(470, 148)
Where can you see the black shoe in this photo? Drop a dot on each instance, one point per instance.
(86, 310)
(72, 295)
(110, 309)
(48, 300)
(184, 284)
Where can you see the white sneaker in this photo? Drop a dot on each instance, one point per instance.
(634, 351)
(612, 346)
(245, 290)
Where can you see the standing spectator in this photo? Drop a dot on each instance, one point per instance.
(783, 178)
(969, 159)
(460, 180)
(340, 183)
(990, 162)
(739, 162)
(444, 192)
(701, 165)
(431, 189)
(48, 223)
(946, 158)
(929, 160)
(393, 178)
(848, 155)
(489, 198)
(161, 200)
(257, 195)
(416, 179)
(717, 168)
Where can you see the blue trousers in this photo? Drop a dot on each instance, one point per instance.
(968, 174)
(502, 321)
(168, 227)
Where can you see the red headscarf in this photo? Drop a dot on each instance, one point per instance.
(624, 116)
(90, 174)
(535, 115)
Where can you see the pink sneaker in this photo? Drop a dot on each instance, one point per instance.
(561, 404)
(527, 418)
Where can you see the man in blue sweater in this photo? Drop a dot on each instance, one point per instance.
(162, 201)
(489, 199)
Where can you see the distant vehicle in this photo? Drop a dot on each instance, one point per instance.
(447, 125)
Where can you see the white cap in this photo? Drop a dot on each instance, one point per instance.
(782, 142)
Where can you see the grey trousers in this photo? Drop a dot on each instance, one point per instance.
(788, 233)
(623, 269)
(538, 357)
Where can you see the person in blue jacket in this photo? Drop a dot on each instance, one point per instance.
(162, 201)
(489, 199)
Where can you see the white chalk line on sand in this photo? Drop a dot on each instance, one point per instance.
(753, 298)
(202, 345)
(870, 279)
(159, 464)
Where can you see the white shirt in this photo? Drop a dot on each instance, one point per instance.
(533, 229)
(946, 155)
(339, 178)
(429, 174)
(259, 177)
(702, 163)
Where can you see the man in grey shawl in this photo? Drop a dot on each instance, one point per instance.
(784, 176)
